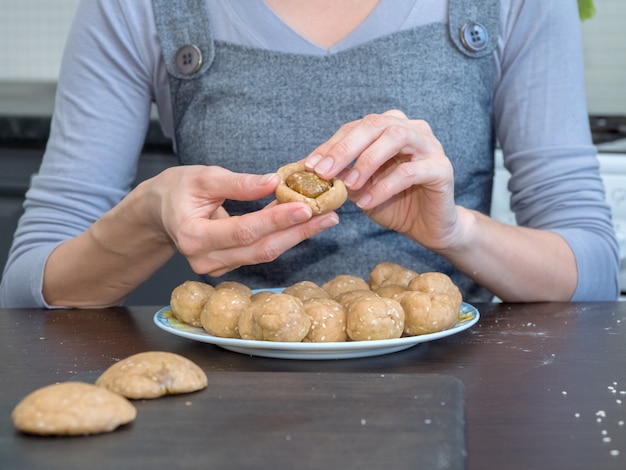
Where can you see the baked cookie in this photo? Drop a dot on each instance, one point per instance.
(72, 408)
(153, 374)
(299, 185)
(375, 318)
(187, 301)
(328, 321)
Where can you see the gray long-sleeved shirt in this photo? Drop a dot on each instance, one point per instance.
(113, 71)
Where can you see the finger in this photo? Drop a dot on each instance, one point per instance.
(201, 235)
(318, 154)
(398, 143)
(263, 250)
(436, 175)
(348, 145)
(323, 149)
(224, 184)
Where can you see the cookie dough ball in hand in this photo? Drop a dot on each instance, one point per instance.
(220, 315)
(328, 321)
(153, 374)
(299, 185)
(187, 301)
(390, 273)
(72, 408)
(375, 318)
(278, 317)
(344, 283)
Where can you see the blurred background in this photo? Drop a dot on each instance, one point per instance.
(32, 35)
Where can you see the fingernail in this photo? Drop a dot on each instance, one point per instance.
(351, 178)
(364, 200)
(329, 221)
(302, 214)
(264, 179)
(313, 160)
(325, 165)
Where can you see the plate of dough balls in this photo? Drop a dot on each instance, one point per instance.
(346, 317)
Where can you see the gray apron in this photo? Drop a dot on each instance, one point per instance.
(253, 110)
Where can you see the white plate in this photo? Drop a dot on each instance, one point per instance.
(468, 316)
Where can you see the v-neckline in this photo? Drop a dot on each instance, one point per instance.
(264, 25)
(296, 28)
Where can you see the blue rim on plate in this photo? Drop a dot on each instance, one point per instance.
(468, 316)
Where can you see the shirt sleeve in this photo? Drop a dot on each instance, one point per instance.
(543, 128)
(102, 110)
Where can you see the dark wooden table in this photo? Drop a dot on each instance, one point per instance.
(542, 386)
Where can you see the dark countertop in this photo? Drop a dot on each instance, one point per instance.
(542, 387)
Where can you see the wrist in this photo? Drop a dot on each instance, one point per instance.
(464, 235)
(132, 226)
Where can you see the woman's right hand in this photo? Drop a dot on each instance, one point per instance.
(188, 209)
(179, 209)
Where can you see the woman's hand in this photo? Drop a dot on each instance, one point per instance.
(397, 172)
(189, 210)
(181, 208)
(400, 175)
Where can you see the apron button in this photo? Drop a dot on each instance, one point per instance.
(188, 59)
(474, 36)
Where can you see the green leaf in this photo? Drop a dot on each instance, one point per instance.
(586, 9)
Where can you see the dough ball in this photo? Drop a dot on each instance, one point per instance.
(299, 185)
(393, 291)
(72, 408)
(344, 283)
(347, 299)
(187, 301)
(153, 374)
(306, 290)
(375, 318)
(233, 285)
(260, 295)
(437, 283)
(428, 313)
(248, 327)
(220, 315)
(328, 321)
(390, 273)
(278, 317)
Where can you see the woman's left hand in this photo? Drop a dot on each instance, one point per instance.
(397, 172)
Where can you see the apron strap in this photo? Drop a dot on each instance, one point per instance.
(185, 34)
(474, 26)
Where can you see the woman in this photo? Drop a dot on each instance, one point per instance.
(401, 99)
